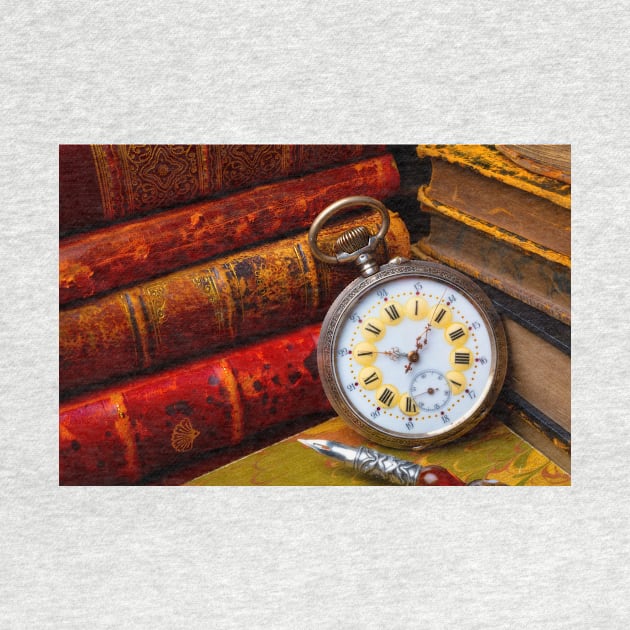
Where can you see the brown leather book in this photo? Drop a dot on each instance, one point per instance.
(539, 364)
(146, 425)
(463, 193)
(101, 184)
(205, 307)
(488, 161)
(128, 253)
(538, 281)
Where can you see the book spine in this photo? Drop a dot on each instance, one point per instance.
(100, 184)
(492, 230)
(541, 284)
(488, 161)
(121, 435)
(126, 254)
(202, 308)
(467, 195)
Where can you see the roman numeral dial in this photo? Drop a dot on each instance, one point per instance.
(373, 329)
(456, 334)
(442, 316)
(409, 351)
(370, 377)
(461, 358)
(392, 314)
(409, 356)
(388, 396)
(408, 405)
(365, 353)
(456, 381)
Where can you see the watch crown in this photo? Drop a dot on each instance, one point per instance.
(352, 240)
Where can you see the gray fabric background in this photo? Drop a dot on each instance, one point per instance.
(395, 72)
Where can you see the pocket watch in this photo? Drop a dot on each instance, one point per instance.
(411, 354)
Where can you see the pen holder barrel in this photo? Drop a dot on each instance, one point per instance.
(403, 473)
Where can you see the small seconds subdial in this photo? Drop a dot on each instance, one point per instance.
(430, 390)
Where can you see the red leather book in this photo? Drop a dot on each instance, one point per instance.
(202, 308)
(131, 252)
(123, 434)
(100, 184)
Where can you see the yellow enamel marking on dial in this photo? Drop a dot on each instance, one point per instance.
(408, 405)
(364, 353)
(373, 329)
(456, 334)
(387, 396)
(416, 308)
(461, 358)
(370, 377)
(392, 313)
(441, 316)
(456, 381)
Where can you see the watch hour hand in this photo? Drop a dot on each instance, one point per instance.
(414, 355)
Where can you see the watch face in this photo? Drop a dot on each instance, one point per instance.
(412, 356)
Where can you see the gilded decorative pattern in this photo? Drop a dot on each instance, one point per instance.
(154, 173)
(156, 305)
(183, 436)
(131, 307)
(109, 186)
(206, 284)
(137, 178)
(235, 166)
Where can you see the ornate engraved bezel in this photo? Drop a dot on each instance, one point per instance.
(341, 309)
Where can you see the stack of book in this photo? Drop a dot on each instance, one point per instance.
(498, 214)
(190, 302)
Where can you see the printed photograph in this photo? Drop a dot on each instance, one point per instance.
(315, 315)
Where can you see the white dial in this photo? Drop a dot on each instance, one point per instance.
(413, 356)
(430, 390)
(397, 327)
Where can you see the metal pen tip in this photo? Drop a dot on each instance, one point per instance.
(332, 449)
(316, 445)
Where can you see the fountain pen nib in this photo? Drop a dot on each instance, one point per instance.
(336, 450)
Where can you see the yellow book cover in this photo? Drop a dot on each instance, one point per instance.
(491, 451)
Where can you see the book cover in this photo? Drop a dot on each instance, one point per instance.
(122, 434)
(555, 247)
